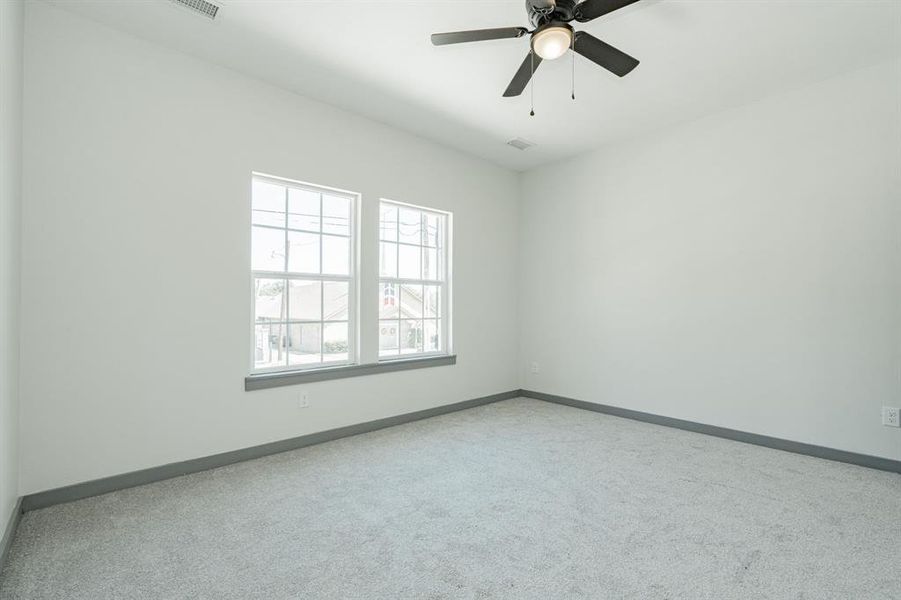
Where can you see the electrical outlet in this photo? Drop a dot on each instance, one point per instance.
(534, 367)
(304, 400)
(891, 416)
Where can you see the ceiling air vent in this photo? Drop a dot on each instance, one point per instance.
(520, 144)
(200, 7)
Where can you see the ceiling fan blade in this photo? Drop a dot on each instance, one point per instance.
(592, 9)
(477, 35)
(523, 75)
(615, 61)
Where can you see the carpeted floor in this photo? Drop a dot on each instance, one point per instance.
(519, 499)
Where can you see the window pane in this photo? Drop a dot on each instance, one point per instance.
(267, 249)
(267, 350)
(431, 301)
(430, 268)
(408, 262)
(431, 333)
(410, 227)
(303, 343)
(268, 196)
(336, 299)
(388, 301)
(334, 342)
(411, 301)
(335, 215)
(269, 300)
(388, 223)
(265, 217)
(305, 300)
(387, 259)
(303, 251)
(335, 255)
(410, 336)
(388, 331)
(302, 235)
(432, 230)
(303, 210)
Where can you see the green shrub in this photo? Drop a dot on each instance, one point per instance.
(334, 347)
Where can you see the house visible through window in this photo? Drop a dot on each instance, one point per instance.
(303, 275)
(413, 268)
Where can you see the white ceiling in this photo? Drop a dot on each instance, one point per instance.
(375, 58)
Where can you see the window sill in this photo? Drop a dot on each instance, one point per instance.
(270, 380)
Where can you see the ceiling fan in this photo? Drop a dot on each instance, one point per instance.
(552, 36)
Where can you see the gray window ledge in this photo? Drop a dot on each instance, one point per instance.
(270, 380)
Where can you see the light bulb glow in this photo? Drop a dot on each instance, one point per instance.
(552, 42)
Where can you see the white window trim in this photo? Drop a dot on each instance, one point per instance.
(445, 302)
(353, 334)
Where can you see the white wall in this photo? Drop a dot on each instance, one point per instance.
(11, 29)
(136, 183)
(743, 270)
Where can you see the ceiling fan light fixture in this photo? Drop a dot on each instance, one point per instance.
(552, 42)
(552, 37)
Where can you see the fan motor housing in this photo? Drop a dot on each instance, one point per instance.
(563, 10)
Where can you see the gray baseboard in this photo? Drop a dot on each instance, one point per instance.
(144, 476)
(136, 478)
(863, 460)
(9, 532)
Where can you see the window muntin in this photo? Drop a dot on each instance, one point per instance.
(302, 262)
(413, 281)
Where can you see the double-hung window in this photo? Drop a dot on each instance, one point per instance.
(413, 281)
(304, 275)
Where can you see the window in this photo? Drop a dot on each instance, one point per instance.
(302, 259)
(413, 281)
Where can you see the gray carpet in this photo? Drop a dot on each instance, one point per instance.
(520, 499)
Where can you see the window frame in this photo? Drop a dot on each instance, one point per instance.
(352, 278)
(444, 283)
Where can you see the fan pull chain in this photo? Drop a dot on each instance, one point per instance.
(572, 50)
(532, 84)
